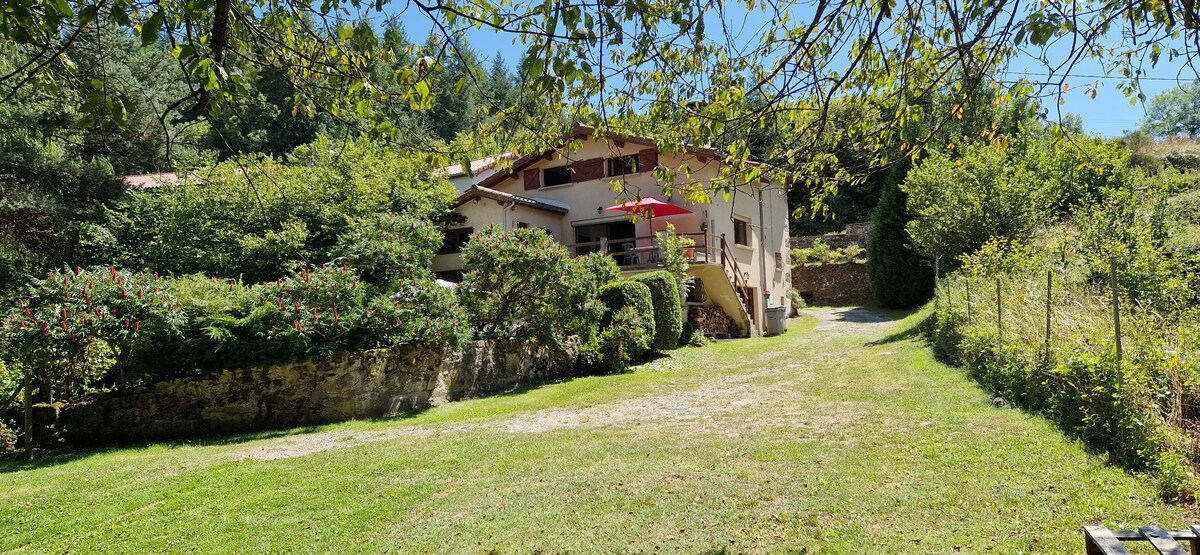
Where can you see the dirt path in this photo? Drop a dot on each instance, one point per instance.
(699, 409)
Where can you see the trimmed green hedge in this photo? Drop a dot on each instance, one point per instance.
(637, 296)
(668, 311)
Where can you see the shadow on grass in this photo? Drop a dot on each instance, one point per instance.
(916, 330)
(64, 455)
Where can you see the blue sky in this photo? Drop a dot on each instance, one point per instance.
(1109, 114)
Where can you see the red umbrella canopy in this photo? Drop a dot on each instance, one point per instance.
(650, 207)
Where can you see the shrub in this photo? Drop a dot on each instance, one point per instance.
(900, 277)
(1132, 227)
(685, 334)
(204, 324)
(73, 327)
(389, 247)
(580, 310)
(621, 341)
(635, 295)
(521, 284)
(668, 311)
(821, 253)
(958, 203)
(258, 219)
(1075, 170)
(512, 287)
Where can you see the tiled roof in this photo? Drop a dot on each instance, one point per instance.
(477, 166)
(484, 192)
(149, 180)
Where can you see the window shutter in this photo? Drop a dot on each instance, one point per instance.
(647, 160)
(533, 179)
(587, 170)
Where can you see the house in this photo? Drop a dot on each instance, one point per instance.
(740, 262)
(480, 169)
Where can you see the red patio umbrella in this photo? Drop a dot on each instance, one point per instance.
(650, 207)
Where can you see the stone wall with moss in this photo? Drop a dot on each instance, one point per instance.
(348, 386)
(832, 284)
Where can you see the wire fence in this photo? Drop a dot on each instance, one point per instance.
(1055, 316)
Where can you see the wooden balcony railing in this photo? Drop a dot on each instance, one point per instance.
(644, 249)
(709, 249)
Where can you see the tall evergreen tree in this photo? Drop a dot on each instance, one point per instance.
(899, 276)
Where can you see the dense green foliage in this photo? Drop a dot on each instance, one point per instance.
(386, 247)
(900, 277)
(1135, 407)
(71, 328)
(668, 310)
(1175, 113)
(1074, 170)
(288, 215)
(521, 284)
(957, 203)
(81, 330)
(626, 330)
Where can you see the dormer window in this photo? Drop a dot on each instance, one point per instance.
(623, 165)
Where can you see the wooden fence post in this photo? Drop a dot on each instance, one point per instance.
(1049, 297)
(1116, 307)
(999, 312)
(937, 261)
(968, 283)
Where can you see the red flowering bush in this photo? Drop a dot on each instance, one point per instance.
(74, 326)
(521, 284)
(328, 309)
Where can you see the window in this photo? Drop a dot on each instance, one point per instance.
(522, 225)
(455, 240)
(623, 165)
(556, 176)
(741, 232)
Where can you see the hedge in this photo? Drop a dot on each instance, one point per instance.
(635, 295)
(668, 311)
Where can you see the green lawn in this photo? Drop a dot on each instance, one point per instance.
(842, 437)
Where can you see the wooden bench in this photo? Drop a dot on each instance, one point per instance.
(1102, 541)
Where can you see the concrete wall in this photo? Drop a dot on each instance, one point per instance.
(349, 386)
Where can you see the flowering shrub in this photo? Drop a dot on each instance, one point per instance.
(74, 326)
(521, 284)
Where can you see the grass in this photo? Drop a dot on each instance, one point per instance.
(839, 438)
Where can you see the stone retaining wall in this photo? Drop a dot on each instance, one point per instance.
(854, 234)
(348, 386)
(832, 284)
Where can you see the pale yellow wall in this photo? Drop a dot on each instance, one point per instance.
(585, 198)
(489, 212)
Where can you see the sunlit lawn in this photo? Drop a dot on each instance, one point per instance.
(812, 441)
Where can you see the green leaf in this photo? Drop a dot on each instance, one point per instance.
(151, 28)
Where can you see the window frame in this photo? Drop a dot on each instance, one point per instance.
(744, 227)
(460, 235)
(566, 170)
(629, 164)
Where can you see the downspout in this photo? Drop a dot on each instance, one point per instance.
(504, 209)
(762, 258)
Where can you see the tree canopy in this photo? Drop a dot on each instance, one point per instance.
(701, 72)
(1175, 113)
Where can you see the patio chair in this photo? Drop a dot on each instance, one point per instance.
(627, 256)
